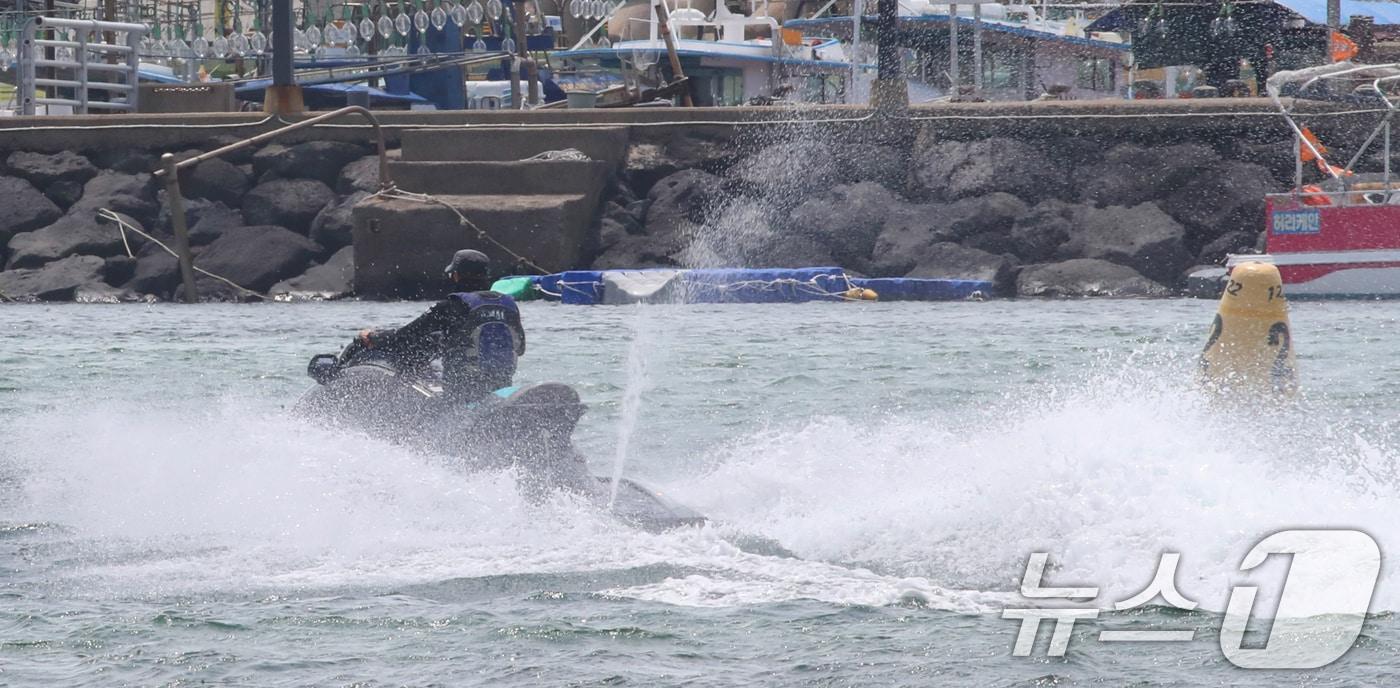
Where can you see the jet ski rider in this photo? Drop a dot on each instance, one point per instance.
(475, 331)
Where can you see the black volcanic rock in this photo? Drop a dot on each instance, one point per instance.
(56, 281)
(950, 261)
(1131, 174)
(290, 203)
(257, 257)
(330, 280)
(334, 226)
(319, 160)
(24, 208)
(42, 169)
(1085, 277)
(70, 235)
(216, 180)
(959, 169)
(1141, 237)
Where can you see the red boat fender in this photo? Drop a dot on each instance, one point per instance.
(1311, 195)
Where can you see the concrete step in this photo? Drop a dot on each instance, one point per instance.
(550, 177)
(401, 245)
(513, 143)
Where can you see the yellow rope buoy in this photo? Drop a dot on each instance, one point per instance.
(1250, 348)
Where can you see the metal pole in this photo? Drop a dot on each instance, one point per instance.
(522, 49)
(1334, 13)
(517, 100)
(384, 181)
(133, 63)
(27, 73)
(1297, 161)
(284, 96)
(109, 13)
(889, 92)
(954, 69)
(977, 49)
(857, 15)
(182, 233)
(664, 25)
(50, 53)
(82, 73)
(282, 43)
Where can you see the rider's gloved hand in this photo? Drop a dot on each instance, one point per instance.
(363, 341)
(374, 339)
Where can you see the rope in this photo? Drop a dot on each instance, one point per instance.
(395, 192)
(123, 226)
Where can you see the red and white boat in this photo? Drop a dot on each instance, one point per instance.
(1339, 238)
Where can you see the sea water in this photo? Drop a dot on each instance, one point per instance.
(163, 522)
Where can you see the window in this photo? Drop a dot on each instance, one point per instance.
(732, 90)
(822, 88)
(1096, 73)
(1001, 70)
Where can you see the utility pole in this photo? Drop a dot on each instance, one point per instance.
(888, 94)
(109, 13)
(284, 96)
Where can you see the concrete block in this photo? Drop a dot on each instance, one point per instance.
(585, 177)
(401, 245)
(183, 98)
(513, 143)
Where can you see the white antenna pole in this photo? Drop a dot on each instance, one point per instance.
(855, 90)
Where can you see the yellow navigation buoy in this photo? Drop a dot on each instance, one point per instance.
(1250, 348)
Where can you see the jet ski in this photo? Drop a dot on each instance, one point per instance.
(529, 427)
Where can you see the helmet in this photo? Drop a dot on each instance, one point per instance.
(468, 264)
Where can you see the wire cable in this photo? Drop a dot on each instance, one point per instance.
(123, 226)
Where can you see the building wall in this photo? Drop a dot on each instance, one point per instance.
(1072, 66)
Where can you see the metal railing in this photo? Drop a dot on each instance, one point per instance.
(170, 169)
(1341, 199)
(80, 67)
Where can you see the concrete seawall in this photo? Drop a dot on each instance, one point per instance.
(998, 190)
(1113, 119)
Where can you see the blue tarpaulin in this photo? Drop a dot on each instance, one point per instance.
(151, 75)
(1123, 18)
(254, 91)
(1315, 11)
(739, 285)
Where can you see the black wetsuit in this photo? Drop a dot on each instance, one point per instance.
(478, 335)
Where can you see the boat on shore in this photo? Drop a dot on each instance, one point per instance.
(728, 59)
(1338, 237)
(1005, 51)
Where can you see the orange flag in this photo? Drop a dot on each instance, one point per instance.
(1341, 48)
(1305, 152)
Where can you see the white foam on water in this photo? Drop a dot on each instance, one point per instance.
(937, 509)
(234, 499)
(1105, 477)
